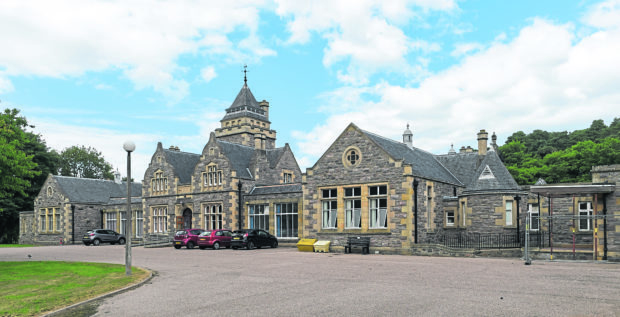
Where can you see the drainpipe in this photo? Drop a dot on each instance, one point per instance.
(72, 224)
(239, 186)
(604, 227)
(415, 210)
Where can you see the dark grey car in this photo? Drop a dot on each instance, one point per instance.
(97, 236)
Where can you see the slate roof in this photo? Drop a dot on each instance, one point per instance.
(424, 164)
(273, 156)
(502, 179)
(183, 164)
(276, 189)
(245, 105)
(87, 190)
(240, 157)
(462, 165)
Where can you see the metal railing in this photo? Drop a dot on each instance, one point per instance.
(479, 241)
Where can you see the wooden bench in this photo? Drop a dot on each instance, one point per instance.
(357, 242)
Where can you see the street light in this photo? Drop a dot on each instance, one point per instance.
(129, 147)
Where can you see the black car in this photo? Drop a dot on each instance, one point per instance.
(97, 236)
(251, 238)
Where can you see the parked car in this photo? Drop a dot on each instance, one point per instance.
(97, 236)
(251, 238)
(187, 238)
(215, 239)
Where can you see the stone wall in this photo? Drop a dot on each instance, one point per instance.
(26, 227)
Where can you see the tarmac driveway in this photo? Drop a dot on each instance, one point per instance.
(285, 282)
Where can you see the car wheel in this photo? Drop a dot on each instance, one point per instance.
(216, 246)
(96, 242)
(190, 245)
(250, 245)
(274, 244)
(121, 241)
(177, 247)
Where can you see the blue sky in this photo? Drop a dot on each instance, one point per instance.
(97, 73)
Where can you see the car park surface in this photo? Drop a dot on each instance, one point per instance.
(285, 282)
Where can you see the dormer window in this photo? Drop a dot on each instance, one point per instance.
(212, 177)
(486, 173)
(159, 183)
(288, 178)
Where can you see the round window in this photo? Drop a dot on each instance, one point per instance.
(352, 157)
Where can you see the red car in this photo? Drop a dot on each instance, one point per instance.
(214, 239)
(186, 237)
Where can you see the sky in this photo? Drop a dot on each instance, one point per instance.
(99, 73)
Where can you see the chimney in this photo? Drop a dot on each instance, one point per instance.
(408, 137)
(259, 141)
(265, 106)
(462, 150)
(483, 136)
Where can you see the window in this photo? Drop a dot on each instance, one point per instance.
(212, 177)
(532, 210)
(259, 216)
(585, 216)
(213, 216)
(330, 208)
(159, 183)
(463, 212)
(509, 212)
(352, 157)
(110, 220)
(450, 218)
(57, 219)
(50, 191)
(123, 229)
(429, 208)
(160, 219)
(288, 177)
(286, 220)
(378, 206)
(43, 219)
(139, 223)
(353, 208)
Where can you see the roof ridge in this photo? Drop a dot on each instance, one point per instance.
(242, 145)
(171, 151)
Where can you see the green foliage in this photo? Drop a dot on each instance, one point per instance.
(84, 162)
(561, 157)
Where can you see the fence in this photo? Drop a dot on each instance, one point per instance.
(479, 241)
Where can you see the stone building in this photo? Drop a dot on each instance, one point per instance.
(400, 195)
(239, 180)
(67, 207)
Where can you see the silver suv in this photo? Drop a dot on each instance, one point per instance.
(95, 237)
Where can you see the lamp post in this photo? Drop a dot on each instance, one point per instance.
(129, 147)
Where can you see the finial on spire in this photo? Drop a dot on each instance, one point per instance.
(407, 125)
(245, 77)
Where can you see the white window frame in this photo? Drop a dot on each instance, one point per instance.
(110, 220)
(258, 217)
(353, 208)
(587, 213)
(213, 216)
(160, 219)
(450, 218)
(533, 209)
(139, 223)
(509, 206)
(329, 203)
(377, 206)
(463, 213)
(287, 220)
(57, 222)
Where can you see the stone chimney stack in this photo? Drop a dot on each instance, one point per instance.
(265, 106)
(483, 137)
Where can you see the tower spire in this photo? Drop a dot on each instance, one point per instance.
(245, 72)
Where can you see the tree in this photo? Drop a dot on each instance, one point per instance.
(17, 169)
(84, 162)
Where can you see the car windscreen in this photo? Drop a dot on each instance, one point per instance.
(180, 233)
(206, 233)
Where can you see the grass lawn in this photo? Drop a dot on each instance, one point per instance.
(32, 288)
(16, 245)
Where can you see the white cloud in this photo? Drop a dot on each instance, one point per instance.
(367, 35)
(208, 73)
(465, 49)
(5, 84)
(144, 39)
(604, 15)
(544, 78)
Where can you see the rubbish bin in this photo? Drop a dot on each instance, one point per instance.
(306, 245)
(322, 246)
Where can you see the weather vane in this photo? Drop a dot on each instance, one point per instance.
(245, 77)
